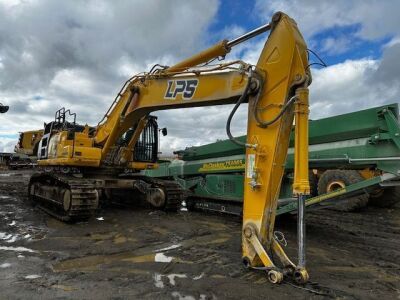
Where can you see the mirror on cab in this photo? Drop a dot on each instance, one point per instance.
(164, 131)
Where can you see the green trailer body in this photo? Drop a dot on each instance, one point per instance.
(366, 139)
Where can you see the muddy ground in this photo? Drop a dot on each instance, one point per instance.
(145, 254)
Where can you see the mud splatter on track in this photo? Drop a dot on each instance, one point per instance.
(145, 255)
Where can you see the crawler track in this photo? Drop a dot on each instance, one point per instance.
(69, 198)
(173, 191)
(63, 197)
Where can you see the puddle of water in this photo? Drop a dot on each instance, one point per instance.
(5, 174)
(12, 239)
(158, 282)
(101, 236)
(18, 249)
(172, 277)
(65, 288)
(183, 206)
(179, 296)
(161, 257)
(120, 239)
(140, 258)
(5, 236)
(91, 263)
(160, 230)
(5, 265)
(168, 248)
(33, 276)
(100, 219)
(199, 276)
(4, 197)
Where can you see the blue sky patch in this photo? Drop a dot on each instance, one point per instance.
(338, 44)
(9, 136)
(37, 97)
(334, 45)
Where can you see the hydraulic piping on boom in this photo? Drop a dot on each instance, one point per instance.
(84, 164)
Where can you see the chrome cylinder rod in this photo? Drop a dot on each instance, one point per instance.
(301, 231)
(249, 35)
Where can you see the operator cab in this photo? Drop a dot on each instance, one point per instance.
(60, 123)
(146, 148)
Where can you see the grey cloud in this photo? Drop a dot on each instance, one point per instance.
(375, 18)
(40, 38)
(388, 70)
(77, 54)
(196, 126)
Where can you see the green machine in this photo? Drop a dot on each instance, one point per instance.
(354, 160)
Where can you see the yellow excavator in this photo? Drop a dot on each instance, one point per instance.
(28, 142)
(81, 164)
(25, 151)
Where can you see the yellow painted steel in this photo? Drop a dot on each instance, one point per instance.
(219, 49)
(142, 165)
(301, 186)
(73, 162)
(212, 89)
(104, 130)
(126, 153)
(75, 152)
(283, 65)
(27, 142)
(368, 173)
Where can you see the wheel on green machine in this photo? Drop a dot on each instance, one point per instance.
(332, 180)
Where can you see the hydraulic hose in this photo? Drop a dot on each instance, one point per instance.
(265, 124)
(240, 101)
(261, 123)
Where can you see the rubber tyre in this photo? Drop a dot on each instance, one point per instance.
(388, 198)
(347, 177)
(313, 179)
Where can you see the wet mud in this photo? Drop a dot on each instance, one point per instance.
(145, 254)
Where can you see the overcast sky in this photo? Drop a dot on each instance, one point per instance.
(77, 54)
